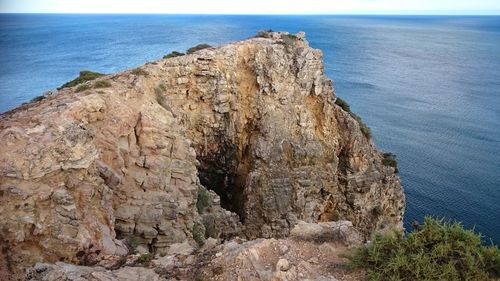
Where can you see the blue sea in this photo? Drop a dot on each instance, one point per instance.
(428, 86)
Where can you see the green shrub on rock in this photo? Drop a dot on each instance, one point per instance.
(140, 72)
(202, 200)
(102, 84)
(264, 34)
(131, 242)
(38, 98)
(85, 75)
(145, 258)
(390, 160)
(173, 55)
(367, 132)
(197, 48)
(198, 234)
(436, 250)
(342, 103)
(377, 211)
(288, 39)
(82, 88)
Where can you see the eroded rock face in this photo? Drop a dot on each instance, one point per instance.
(313, 252)
(255, 121)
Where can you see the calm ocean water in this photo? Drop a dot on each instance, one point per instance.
(429, 87)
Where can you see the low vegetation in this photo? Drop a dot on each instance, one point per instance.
(85, 75)
(82, 88)
(202, 200)
(436, 250)
(288, 39)
(197, 48)
(102, 84)
(342, 103)
(390, 160)
(210, 226)
(377, 211)
(132, 242)
(198, 234)
(140, 72)
(38, 98)
(173, 55)
(145, 258)
(367, 132)
(264, 33)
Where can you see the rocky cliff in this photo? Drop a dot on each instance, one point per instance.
(242, 140)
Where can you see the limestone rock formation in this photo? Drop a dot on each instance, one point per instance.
(314, 252)
(241, 140)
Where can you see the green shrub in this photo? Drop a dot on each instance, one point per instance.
(160, 89)
(39, 98)
(288, 39)
(437, 250)
(342, 103)
(264, 33)
(85, 75)
(390, 160)
(145, 258)
(102, 84)
(173, 55)
(197, 48)
(198, 234)
(82, 88)
(140, 72)
(202, 200)
(210, 225)
(367, 132)
(377, 211)
(132, 242)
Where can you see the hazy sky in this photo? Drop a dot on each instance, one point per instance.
(255, 6)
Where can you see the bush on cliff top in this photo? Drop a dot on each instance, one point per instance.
(288, 39)
(264, 33)
(85, 75)
(173, 55)
(437, 250)
(390, 160)
(197, 48)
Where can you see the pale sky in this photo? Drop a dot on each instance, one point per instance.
(254, 6)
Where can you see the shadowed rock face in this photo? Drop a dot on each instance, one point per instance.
(253, 121)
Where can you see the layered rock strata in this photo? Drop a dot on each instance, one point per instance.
(241, 140)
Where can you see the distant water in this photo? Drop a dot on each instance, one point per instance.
(429, 87)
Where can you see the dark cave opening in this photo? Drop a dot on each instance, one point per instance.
(221, 172)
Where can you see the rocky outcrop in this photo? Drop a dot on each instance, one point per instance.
(313, 252)
(241, 140)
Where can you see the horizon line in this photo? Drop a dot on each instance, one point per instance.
(359, 13)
